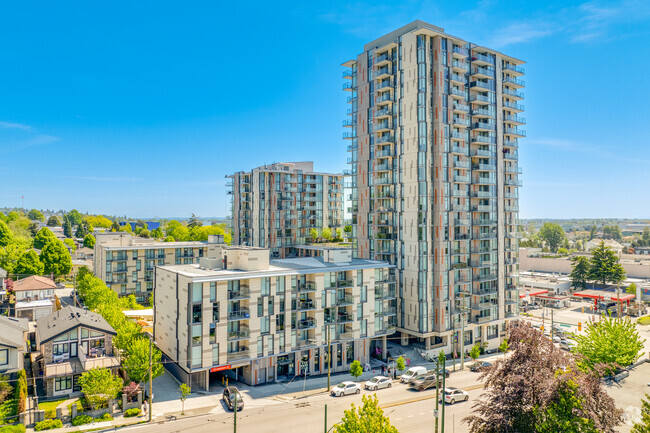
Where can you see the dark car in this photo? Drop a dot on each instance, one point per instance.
(480, 366)
(445, 372)
(426, 381)
(228, 397)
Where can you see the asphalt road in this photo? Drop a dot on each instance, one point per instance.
(409, 411)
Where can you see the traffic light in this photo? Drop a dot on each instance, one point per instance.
(542, 328)
(579, 326)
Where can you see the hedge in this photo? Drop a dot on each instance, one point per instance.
(82, 419)
(20, 392)
(104, 417)
(48, 424)
(132, 412)
(18, 428)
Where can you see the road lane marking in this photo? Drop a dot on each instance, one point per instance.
(428, 397)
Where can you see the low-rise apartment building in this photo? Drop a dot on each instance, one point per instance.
(126, 263)
(34, 297)
(73, 341)
(243, 315)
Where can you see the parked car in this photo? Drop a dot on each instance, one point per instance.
(378, 382)
(480, 366)
(346, 388)
(411, 374)
(557, 339)
(567, 344)
(426, 381)
(229, 398)
(452, 395)
(446, 372)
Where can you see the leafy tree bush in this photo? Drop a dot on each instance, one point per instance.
(400, 363)
(185, 391)
(67, 229)
(5, 388)
(475, 352)
(104, 417)
(313, 234)
(6, 235)
(36, 215)
(605, 267)
(643, 426)
(356, 369)
(89, 241)
(56, 258)
(170, 239)
(48, 424)
(18, 428)
(100, 385)
(132, 412)
(369, 418)
(327, 234)
(54, 221)
(553, 235)
(137, 361)
(70, 243)
(612, 342)
(580, 272)
(43, 237)
(29, 264)
(20, 391)
(81, 420)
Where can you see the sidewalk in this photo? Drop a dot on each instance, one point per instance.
(118, 422)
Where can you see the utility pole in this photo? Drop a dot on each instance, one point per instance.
(329, 356)
(462, 332)
(235, 411)
(150, 374)
(325, 429)
(551, 333)
(619, 310)
(442, 422)
(437, 392)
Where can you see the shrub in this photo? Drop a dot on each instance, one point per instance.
(18, 428)
(104, 417)
(132, 412)
(48, 424)
(82, 419)
(20, 392)
(644, 320)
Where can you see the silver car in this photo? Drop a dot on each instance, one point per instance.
(378, 382)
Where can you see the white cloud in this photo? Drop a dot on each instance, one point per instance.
(12, 125)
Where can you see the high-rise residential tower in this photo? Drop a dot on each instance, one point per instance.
(434, 124)
(276, 206)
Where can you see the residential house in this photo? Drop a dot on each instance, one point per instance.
(611, 243)
(13, 344)
(34, 297)
(3, 284)
(72, 341)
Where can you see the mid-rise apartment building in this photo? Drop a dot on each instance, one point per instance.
(434, 128)
(126, 263)
(244, 315)
(276, 206)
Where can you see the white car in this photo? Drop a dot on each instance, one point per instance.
(452, 395)
(568, 345)
(346, 388)
(378, 382)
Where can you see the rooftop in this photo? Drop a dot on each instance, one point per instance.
(296, 266)
(69, 318)
(34, 283)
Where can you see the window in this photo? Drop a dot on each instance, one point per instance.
(260, 307)
(213, 333)
(196, 356)
(135, 254)
(197, 292)
(265, 325)
(215, 354)
(84, 333)
(60, 349)
(213, 291)
(134, 276)
(196, 335)
(63, 383)
(364, 327)
(4, 356)
(364, 293)
(279, 285)
(270, 308)
(266, 286)
(359, 277)
(260, 347)
(138, 265)
(215, 312)
(196, 313)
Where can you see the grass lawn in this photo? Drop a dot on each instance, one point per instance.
(50, 407)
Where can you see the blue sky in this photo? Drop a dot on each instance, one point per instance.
(141, 108)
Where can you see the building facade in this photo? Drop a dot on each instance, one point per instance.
(434, 127)
(258, 320)
(276, 206)
(126, 263)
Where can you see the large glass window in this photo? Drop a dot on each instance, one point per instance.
(196, 335)
(63, 383)
(213, 333)
(215, 312)
(197, 360)
(197, 292)
(196, 313)
(213, 291)
(4, 356)
(215, 354)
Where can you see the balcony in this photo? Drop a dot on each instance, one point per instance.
(461, 179)
(390, 311)
(484, 167)
(513, 93)
(348, 123)
(351, 99)
(385, 292)
(383, 59)
(514, 119)
(457, 163)
(346, 335)
(460, 136)
(458, 79)
(385, 139)
(482, 112)
(514, 68)
(384, 112)
(344, 318)
(479, 72)
(242, 334)
(511, 143)
(344, 301)
(242, 314)
(515, 131)
(485, 235)
(458, 93)
(483, 208)
(482, 59)
(348, 86)
(306, 305)
(483, 139)
(459, 52)
(481, 86)
(484, 277)
(484, 126)
(241, 353)
(383, 126)
(349, 135)
(482, 152)
(347, 74)
(306, 323)
(484, 222)
(242, 293)
(96, 358)
(461, 222)
(462, 108)
(459, 66)
(345, 283)
(304, 288)
(513, 81)
(512, 169)
(480, 99)
(460, 207)
(513, 106)
(457, 121)
(383, 73)
(482, 194)
(306, 342)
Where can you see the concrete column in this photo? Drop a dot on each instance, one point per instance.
(123, 402)
(207, 380)
(404, 340)
(384, 348)
(59, 413)
(427, 342)
(139, 398)
(73, 411)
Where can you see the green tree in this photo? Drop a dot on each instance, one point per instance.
(327, 234)
(553, 235)
(98, 221)
(593, 231)
(115, 226)
(100, 385)
(126, 228)
(70, 243)
(563, 413)
(563, 251)
(137, 361)
(194, 222)
(643, 426)
(612, 232)
(5, 388)
(313, 234)
(581, 271)
(54, 221)
(74, 217)
(56, 258)
(604, 266)
(347, 229)
(20, 391)
(400, 363)
(43, 236)
(89, 241)
(157, 233)
(475, 352)
(339, 234)
(185, 391)
(356, 369)
(612, 342)
(36, 215)
(10, 255)
(6, 235)
(631, 289)
(81, 231)
(369, 418)
(169, 239)
(504, 346)
(144, 233)
(67, 229)
(29, 264)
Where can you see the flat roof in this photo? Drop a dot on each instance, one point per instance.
(533, 293)
(297, 266)
(603, 295)
(157, 245)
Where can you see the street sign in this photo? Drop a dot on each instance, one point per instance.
(220, 368)
(435, 413)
